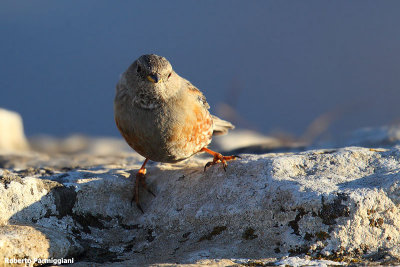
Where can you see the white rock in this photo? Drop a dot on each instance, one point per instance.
(12, 137)
(79, 144)
(247, 141)
(297, 261)
(34, 244)
(332, 203)
(244, 138)
(382, 136)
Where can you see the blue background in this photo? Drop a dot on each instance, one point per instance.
(278, 64)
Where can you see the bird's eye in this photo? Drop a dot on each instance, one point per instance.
(139, 69)
(169, 75)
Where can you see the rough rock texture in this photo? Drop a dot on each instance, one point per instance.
(34, 242)
(339, 205)
(12, 137)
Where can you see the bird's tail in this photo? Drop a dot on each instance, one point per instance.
(221, 127)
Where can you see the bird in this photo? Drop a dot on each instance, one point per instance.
(163, 117)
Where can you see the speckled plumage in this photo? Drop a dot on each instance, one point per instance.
(166, 121)
(163, 117)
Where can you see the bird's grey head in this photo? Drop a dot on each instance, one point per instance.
(149, 81)
(153, 68)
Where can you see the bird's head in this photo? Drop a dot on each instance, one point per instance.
(153, 68)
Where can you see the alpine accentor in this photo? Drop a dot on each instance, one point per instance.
(163, 117)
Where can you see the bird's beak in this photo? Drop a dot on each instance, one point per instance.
(155, 78)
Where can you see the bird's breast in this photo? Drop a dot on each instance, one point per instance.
(171, 133)
(192, 134)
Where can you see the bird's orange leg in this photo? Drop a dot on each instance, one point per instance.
(217, 158)
(140, 178)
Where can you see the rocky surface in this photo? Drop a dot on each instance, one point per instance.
(320, 206)
(12, 137)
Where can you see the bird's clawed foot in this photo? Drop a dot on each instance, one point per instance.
(218, 158)
(140, 180)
